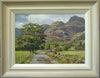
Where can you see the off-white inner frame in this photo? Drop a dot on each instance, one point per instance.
(89, 69)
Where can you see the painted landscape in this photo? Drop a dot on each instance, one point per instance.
(50, 39)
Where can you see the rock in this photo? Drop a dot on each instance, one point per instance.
(82, 61)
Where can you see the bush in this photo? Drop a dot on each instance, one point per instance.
(54, 50)
(72, 48)
(60, 48)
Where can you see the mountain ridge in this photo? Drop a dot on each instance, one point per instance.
(65, 30)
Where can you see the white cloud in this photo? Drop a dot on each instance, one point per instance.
(37, 18)
(63, 19)
(19, 24)
(45, 19)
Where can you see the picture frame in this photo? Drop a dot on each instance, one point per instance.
(11, 7)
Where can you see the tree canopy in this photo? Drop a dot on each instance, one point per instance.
(30, 38)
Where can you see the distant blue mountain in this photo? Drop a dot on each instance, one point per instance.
(16, 32)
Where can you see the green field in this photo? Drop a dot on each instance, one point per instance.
(69, 57)
(73, 54)
(20, 56)
(24, 57)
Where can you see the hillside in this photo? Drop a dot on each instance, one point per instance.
(65, 31)
(79, 42)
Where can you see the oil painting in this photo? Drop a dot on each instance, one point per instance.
(50, 39)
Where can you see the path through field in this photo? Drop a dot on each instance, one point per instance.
(42, 58)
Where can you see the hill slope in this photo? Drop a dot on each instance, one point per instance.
(65, 31)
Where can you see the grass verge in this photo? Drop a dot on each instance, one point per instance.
(28, 59)
(73, 54)
(19, 55)
(58, 59)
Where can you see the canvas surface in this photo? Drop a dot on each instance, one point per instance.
(50, 39)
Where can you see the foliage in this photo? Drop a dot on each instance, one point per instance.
(54, 50)
(80, 46)
(60, 48)
(30, 38)
(72, 48)
(82, 37)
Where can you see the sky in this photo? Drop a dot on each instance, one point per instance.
(21, 20)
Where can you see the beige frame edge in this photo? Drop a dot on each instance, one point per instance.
(12, 7)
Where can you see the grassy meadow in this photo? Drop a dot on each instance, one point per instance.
(24, 57)
(74, 54)
(20, 56)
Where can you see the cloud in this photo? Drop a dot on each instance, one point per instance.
(19, 24)
(37, 18)
(46, 18)
(21, 18)
(63, 19)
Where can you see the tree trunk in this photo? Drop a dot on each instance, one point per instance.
(31, 52)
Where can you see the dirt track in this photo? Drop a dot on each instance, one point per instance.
(42, 58)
